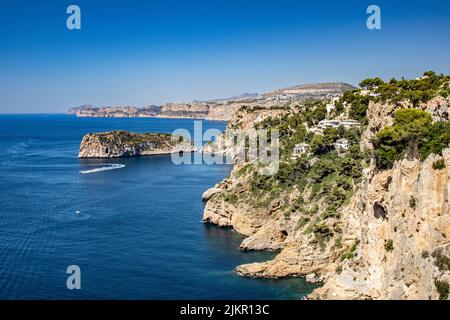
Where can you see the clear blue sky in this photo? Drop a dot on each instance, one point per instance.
(150, 52)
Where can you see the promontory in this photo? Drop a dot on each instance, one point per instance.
(120, 143)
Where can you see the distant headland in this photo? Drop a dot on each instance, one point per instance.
(220, 109)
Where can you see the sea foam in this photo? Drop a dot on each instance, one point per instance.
(112, 166)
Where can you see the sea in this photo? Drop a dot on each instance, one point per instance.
(131, 226)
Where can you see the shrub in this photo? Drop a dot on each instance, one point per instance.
(389, 245)
(301, 222)
(339, 269)
(439, 164)
(412, 131)
(442, 288)
(425, 254)
(351, 252)
(441, 261)
(231, 198)
(412, 202)
(321, 169)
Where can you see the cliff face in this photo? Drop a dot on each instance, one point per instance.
(220, 109)
(399, 252)
(117, 144)
(388, 240)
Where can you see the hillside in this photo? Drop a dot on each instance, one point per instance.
(360, 203)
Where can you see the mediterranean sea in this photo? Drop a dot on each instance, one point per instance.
(132, 225)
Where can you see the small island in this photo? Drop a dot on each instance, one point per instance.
(121, 143)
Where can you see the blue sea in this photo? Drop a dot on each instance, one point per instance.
(135, 231)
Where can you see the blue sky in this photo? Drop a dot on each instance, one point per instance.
(150, 52)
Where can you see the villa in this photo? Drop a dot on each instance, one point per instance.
(349, 123)
(299, 149)
(341, 144)
(328, 124)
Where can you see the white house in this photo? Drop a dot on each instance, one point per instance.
(341, 144)
(349, 123)
(328, 124)
(330, 107)
(300, 149)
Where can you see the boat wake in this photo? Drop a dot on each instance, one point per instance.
(112, 166)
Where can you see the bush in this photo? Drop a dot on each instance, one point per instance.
(412, 202)
(339, 269)
(412, 132)
(371, 83)
(301, 223)
(351, 252)
(442, 288)
(439, 164)
(321, 169)
(389, 245)
(441, 261)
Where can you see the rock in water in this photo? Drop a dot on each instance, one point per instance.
(116, 144)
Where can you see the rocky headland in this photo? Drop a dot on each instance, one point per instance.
(116, 144)
(368, 222)
(219, 109)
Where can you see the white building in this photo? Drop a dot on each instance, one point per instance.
(341, 145)
(328, 124)
(299, 149)
(349, 123)
(330, 107)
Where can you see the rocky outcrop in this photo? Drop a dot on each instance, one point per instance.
(394, 230)
(117, 144)
(398, 255)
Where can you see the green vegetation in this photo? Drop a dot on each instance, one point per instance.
(441, 261)
(413, 134)
(439, 164)
(315, 186)
(358, 105)
(425, 254)
(329, 178)
(389, 245)
(416, 91)
(351, 253)
(371, 83)
(231, 198)
(158, 140)
(442, 288)
(412, 202)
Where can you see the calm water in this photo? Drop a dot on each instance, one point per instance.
(138, 231)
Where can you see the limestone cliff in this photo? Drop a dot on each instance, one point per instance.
(364, 232)
(117, 144)
(399, 252)
(219, 109)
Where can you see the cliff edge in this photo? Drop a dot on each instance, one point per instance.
(360, 202)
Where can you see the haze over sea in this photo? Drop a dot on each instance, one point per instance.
(135, 231)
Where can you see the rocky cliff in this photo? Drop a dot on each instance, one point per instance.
(219, 109)
(364, 231)
(117, 144)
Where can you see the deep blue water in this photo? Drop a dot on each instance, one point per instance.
(138, 231)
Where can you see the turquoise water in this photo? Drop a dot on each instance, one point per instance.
(135, 231)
